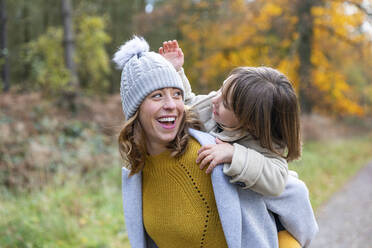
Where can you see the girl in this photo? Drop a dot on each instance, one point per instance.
(257, 110)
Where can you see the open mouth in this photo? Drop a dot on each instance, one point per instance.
(167, 122)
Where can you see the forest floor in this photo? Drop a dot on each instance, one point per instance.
(345, 220)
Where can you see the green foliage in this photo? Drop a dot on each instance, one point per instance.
(92, 58)
(75, 129)
(45, 55)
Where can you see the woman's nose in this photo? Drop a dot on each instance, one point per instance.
(169, 103)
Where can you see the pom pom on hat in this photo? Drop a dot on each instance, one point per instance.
(135, 46)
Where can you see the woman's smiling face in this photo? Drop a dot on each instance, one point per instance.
(160, 115)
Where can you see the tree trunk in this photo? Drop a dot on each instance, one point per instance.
(305, 30)
(142, 6)
(3, 47)
(27, 37)
(69, 96)
(46, 15)
(69, 42)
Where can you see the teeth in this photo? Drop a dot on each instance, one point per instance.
(167, 119)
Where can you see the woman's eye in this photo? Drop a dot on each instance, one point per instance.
(177, 93)
(156, 95)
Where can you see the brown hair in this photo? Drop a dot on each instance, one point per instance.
(132, 146)
(266, 105)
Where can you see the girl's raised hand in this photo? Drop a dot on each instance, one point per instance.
(173, 53)
(215, 154)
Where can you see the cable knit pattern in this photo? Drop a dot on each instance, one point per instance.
(179, 208)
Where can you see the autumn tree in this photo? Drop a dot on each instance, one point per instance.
(339, 44)
(314, 42)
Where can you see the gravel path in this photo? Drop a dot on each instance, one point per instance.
(346, 219)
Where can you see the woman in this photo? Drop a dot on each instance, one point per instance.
(167, 199)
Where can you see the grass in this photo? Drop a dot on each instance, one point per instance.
(326, 166)
(81, 213)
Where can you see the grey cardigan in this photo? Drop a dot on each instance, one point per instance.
(244, 215)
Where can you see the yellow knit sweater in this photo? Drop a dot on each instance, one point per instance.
(179, 208)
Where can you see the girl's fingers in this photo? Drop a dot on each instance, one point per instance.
(205, 161)
(169, 46)
(161, 50)
(201, 156)
(173, 46)
(211, 166)
(218, 141)
(203, 148)
(165, 46)
(180, 53)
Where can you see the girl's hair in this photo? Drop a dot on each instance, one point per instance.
(132, 140)
(266, 106)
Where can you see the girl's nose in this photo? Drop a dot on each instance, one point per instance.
(216, 98)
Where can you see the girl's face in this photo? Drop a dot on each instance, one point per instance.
(222, 114)
(160, 115)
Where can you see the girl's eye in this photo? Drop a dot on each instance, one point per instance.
(225, 104)
(224, 100)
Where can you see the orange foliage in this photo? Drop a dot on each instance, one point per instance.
(220, 35)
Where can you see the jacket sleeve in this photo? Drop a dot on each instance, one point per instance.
(199, 104)
(262, 172)
(294, 210)
(189, 95)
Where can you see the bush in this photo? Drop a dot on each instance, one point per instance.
(92, 59)
(46, 53)
(45, 57)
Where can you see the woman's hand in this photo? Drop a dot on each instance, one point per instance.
(213, 155)
(173, 53)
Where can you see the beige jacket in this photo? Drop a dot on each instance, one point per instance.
(252, 166)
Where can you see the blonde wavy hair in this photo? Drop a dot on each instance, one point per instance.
(132, 140)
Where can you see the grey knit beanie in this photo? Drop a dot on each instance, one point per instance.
(143, 72)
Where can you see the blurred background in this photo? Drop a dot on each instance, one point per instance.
(60, 110)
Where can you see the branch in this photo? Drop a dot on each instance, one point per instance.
(360, 7)
(338, 35)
